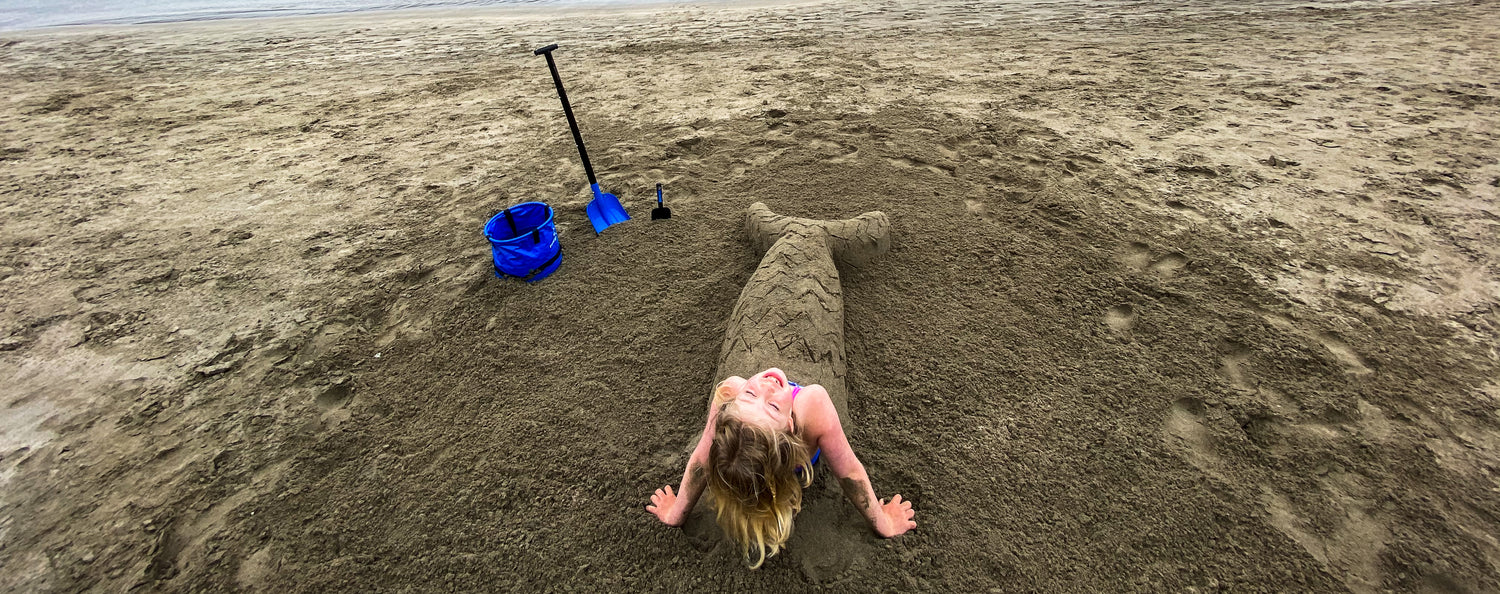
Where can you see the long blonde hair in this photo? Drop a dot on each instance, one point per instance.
(752, 474)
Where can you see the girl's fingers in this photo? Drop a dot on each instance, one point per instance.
(896, 499)
(661, 495)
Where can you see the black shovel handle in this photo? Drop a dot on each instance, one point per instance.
(568, 109)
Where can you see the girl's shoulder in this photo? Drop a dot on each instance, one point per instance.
(815, 391)
(815, 411)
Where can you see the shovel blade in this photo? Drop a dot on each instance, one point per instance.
(661, 212)
(605, 210)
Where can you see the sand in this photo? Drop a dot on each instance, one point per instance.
(1187, 297)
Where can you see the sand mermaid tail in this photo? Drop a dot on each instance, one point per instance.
(791, 311)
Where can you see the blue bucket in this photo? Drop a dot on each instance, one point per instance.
(524, 241)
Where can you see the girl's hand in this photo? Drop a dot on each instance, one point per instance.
(664, 507)
(895, 518)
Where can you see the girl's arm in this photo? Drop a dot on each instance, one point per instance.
(888, 519)
(672, 507)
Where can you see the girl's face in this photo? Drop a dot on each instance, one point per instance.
(765, 399)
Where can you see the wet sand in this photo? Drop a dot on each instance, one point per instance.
(1199, 296)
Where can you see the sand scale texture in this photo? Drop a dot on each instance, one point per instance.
(1191, 296)
(791, 312)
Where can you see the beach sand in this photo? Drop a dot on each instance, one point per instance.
(1184, 297)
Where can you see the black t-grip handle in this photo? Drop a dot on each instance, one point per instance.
(545, 50)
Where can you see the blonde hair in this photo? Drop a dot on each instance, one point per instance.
(752, 474)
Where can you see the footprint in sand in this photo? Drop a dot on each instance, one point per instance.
(1352, 549)
(1121, 318)
(1185, 428)
(1271, 432)
(257, 570)
(1278, 320)
(1138, 257)
(1373, 423)
(1284, 517)
(979, 209)
(1169, 265)
(1232, 365)
(336, 395)
(1346, 356)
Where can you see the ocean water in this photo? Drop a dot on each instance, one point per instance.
(34, 14)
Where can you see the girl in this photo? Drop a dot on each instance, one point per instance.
(755, 455)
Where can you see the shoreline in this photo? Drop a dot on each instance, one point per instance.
(1030, 12)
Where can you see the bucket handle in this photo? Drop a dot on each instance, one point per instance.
(536, 234)
(511, 219)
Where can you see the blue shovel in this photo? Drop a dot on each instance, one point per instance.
(605, 209)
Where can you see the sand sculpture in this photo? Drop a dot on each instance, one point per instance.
(791, 311)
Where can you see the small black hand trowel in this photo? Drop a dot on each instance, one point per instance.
(660, 212)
